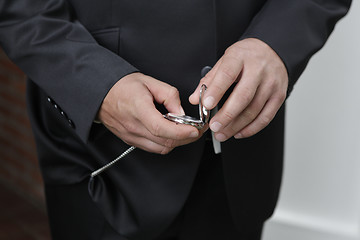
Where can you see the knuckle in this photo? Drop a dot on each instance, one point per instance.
(229, 74)
(218, 88)
(137, 102)
(166, 150)
(229, 116)
(247, 95)
(249, 114)
(279, 99)
(233, 129)
(205, 79)
(155, 129)
(264, 121)
(130, 127)
(276, 85)
(177, 135)
(170, 143)
(271, 83)
(282, 96)
(232, 51)
(173, 92)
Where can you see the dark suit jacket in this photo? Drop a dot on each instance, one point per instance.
(74, 51)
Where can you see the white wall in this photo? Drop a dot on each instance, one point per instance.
(320, 197)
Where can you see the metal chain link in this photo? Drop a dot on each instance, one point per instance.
(100, 170)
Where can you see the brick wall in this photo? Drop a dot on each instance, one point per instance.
(18, 162)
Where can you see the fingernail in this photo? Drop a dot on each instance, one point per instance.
(215, 127)
(194, 134)
(182, 112)
(238, 136)
(220, 137)
(209, 102)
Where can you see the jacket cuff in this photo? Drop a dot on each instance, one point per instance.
(296, 30)
(84, 113)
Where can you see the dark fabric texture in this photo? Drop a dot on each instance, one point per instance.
(204, 216)
(74, 51)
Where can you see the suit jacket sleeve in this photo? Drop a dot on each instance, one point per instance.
(296, 29)
(60, 56)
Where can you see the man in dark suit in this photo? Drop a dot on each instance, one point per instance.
(110, 60)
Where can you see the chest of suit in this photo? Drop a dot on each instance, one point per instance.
(169, 40)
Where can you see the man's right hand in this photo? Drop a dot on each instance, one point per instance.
(129, 112)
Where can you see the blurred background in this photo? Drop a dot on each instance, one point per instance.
(320, 197)
(22, 214)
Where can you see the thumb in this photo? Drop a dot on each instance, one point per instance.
(207, 73)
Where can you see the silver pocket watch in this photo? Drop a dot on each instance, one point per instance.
(184, 119)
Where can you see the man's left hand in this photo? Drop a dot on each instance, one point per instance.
(261, 82)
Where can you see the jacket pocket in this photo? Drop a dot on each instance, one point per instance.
(108, 38)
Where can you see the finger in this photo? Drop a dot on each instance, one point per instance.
(275, 95)
(168, 142)
(227, 73)
(135, 128)
(242, 95)
(247, 116)
(152, 119)
(194, 97)
(166, 95)
(131, 131)
(158, 126)
(147, 145)
(262, 120)
(136, 140)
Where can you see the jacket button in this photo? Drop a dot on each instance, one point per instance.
(71, 124)
(63, 113)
